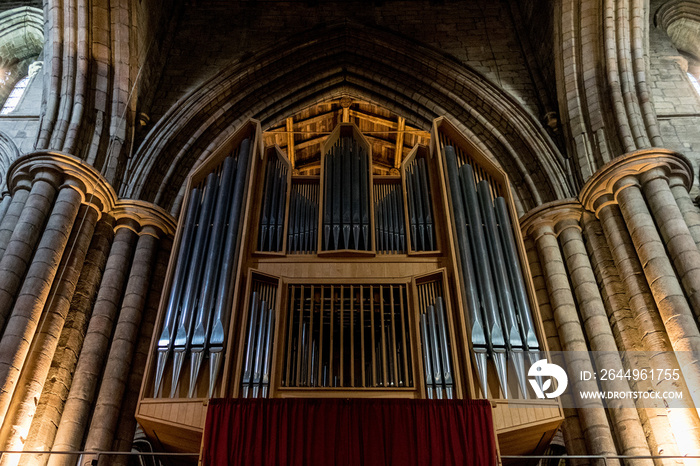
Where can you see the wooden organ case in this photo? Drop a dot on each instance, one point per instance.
(347, 281)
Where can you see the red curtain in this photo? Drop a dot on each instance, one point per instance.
(348, 432)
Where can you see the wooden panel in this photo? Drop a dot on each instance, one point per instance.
(524, 427)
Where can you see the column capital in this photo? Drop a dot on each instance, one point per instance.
(642, 165)
(68, 170)
(144, 218)
(554, 215)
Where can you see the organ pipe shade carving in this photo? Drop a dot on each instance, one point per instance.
(199, 301)
(347, 336)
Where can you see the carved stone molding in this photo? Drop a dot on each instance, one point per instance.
(603, 186)
(151, 219)
(552, 214)
(67, 170)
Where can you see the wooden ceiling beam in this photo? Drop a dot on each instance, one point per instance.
(398, 153)
(377, 120)
(290, 140)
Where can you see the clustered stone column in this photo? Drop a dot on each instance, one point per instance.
(624, 257)
(76, 272)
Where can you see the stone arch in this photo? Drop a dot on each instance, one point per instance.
(21, 42)
(8, 154)
(348, 59)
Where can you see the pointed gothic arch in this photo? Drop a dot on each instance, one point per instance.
(395, 72)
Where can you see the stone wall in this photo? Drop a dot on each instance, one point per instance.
(214, 35)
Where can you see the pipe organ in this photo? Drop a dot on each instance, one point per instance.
(347, 282)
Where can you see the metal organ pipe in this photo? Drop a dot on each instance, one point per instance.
(346, 225)
(224, 291)
(484, 277)
(171, 312)
(479, 338)
(194, 279)
(527, 325)
(514, 343)
(206, 298)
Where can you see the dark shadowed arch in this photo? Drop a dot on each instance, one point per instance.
(408, 78)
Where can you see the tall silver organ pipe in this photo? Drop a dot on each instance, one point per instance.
(183, 261)
(194, 281)
(483, 228)
(302, 233)
(206, 298)
(201, 291)
(346, 193)
(479, 338)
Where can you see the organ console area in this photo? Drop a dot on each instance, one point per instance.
(341, 278)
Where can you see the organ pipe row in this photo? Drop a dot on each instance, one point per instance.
(501, 325)
(259, 345)
(352, 336)
(302, 234)
(390, 235)
(335, 335)
(273, 206)
(200, 296)
(346, 197)
(420, 210)
(435, 339)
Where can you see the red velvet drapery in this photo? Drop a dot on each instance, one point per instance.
(348, 432)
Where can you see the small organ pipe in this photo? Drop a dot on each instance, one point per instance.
(268, 353)
(259, 343)
(427, 209)
(250, 344)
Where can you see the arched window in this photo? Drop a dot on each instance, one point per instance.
(15, 96)
(694, 81)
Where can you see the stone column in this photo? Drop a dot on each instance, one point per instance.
(60, 377)
(667, 291)
(14, 210)
(592, 416)
(626, 423)
(688, 209)
(139, 227)
(677, 238)
(22, 244)
(126, 427)
(31, 382)
(78, 405)
(109, 399)
(571, 427)
(4, 204)
(23, 322)
(652, 413)
(662, 313)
